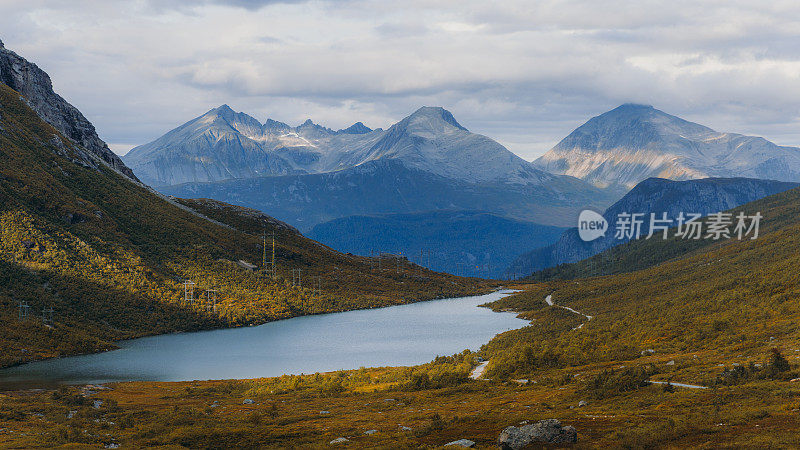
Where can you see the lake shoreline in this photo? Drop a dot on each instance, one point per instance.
(200, 330)
(403, 359)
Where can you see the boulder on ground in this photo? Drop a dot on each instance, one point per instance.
(466, 443)
(548, 431)
(340, 440)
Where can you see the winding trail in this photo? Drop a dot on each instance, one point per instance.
(477, 372)
(683, 385)
(549, 301)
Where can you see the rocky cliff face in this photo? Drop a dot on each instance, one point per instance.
(654, 195)
(37, 89)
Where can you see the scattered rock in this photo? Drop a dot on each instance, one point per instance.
(582, 403)
(324, 412)
(71, 414)
(404, 428)
(671, 363)
(74, 218)
(247, 401)
(97, 404)
(466, 443)
(368, 432)
(340, 440)
(548, 431)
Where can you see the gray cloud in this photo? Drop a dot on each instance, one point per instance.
(521, 72)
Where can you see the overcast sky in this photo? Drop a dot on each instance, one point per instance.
(525, 73)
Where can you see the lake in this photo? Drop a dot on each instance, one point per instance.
(393, 336)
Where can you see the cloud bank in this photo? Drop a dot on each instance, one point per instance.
(525, 73)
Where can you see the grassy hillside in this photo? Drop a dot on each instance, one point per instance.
(734, 299)
(110, 256)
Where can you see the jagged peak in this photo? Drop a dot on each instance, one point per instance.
(274, 124)
(436, 113)
(1, 44)
(356, 128)
(309, 124)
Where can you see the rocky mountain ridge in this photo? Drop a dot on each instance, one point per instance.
(223, 144)
(37, 89)
(634, 142)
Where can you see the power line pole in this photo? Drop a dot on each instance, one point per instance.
(211, 299)
(274, 269)
(188, 292)
(47, 316)
(264, 250)
(23, 310)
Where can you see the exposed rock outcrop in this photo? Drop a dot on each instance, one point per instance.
(547, 431)
(465, 443)
(35, 86)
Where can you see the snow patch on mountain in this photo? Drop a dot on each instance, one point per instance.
(225, 144)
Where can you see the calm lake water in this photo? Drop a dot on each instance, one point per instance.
(393, 336)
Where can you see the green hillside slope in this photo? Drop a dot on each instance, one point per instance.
(729, 299)
(110, 256)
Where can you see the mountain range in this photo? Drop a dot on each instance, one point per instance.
(223, 144)
(310, 174)
(634, 142)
